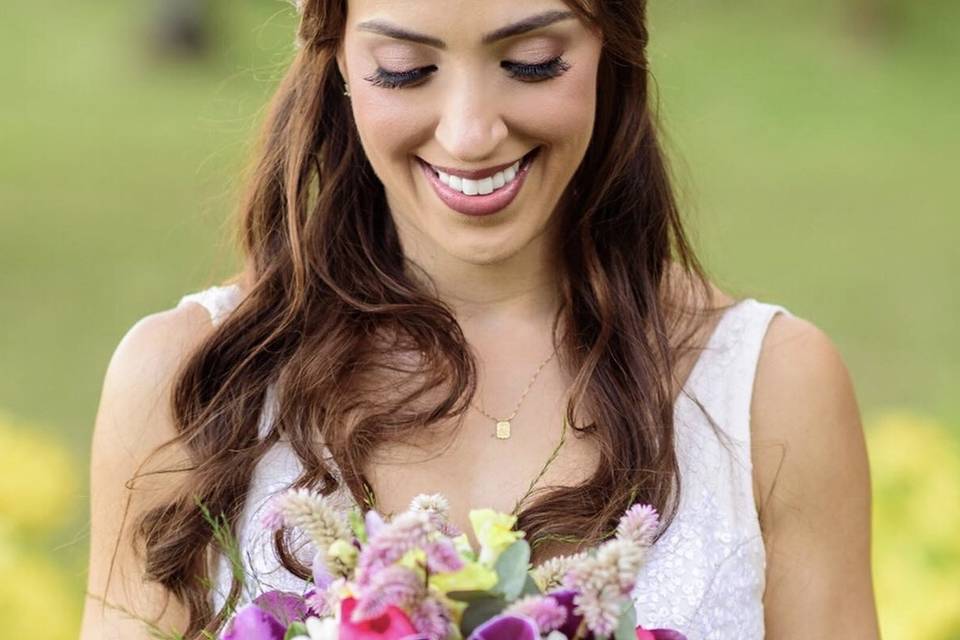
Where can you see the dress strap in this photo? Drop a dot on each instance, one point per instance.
(726, 387)
(743, 341)
(219, 301)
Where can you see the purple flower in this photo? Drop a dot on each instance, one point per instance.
(565, 598)
(507, 627)
(544, 610)
(253, 623)
(285, 607)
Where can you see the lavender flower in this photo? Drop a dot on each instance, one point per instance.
(442, 556)
(432, 618)
(395, 585)
(408, 530)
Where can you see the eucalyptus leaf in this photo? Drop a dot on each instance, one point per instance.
(479, 611)
(470, 595)
(530, 587)
(627, 622)
(512, 569)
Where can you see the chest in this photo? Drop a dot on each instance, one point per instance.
(473, 468)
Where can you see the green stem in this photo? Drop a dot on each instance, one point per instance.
(553, 455)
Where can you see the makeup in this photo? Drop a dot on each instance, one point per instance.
(479, 193)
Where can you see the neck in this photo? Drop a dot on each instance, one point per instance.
(523, 286)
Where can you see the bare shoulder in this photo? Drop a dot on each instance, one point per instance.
(133, 420)
(803, 397)
(156, 346)
(812, 484)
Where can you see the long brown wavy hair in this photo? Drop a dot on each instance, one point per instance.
(329, 305)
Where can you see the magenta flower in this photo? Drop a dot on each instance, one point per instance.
(253, 623)
(392, 625)
(659, 634)
(565, 598)
(507, 627)
(544, 610)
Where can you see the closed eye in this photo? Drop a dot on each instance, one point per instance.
(525, 72)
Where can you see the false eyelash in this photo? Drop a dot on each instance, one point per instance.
(536, 72)
(519, 70)
(396, 79)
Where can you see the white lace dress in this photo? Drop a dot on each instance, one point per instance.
(705, 576)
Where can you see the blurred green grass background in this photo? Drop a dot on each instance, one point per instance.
(815, 148)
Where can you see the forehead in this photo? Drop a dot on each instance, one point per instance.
(452, 22)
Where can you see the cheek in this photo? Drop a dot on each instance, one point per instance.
(391, 125)
(562, 114)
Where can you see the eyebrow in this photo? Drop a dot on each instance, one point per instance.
(531, 23)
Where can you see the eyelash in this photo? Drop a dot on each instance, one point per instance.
(519, 70)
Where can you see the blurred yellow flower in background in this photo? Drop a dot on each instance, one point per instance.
(915, 472)
(37, 486)
(37, 492)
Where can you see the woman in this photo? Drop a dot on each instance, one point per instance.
(460, 236)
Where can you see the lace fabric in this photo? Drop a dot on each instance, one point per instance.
(705, 576)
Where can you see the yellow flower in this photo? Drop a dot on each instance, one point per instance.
(37, 486)
(36, 597)
(494, 533)
(473, 576)
(915, 473)
(343, 552)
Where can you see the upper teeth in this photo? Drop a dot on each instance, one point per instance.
(483, 186)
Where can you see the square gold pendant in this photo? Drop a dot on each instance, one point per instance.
(503, 429)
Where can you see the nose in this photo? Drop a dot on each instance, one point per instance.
(471, 126)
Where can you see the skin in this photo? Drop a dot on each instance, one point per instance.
(810, 468)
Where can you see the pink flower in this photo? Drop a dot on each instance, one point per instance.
(392, 625)
(659, 634)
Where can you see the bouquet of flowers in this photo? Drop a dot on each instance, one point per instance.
(416, 577)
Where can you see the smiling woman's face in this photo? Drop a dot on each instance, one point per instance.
(474, 115)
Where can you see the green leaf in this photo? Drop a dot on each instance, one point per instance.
(530, 587)
(627, 622)
(295, 629)
(471, 596)
(479, 611)
(358, 525)
(512, 569)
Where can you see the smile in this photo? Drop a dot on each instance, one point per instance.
(478, 193)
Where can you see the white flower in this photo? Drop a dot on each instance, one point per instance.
(322, 628)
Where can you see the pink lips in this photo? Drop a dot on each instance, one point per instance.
(479, 205)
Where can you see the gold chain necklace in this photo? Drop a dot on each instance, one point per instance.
(503, 425)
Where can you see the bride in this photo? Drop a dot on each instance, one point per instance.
(460, 237)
